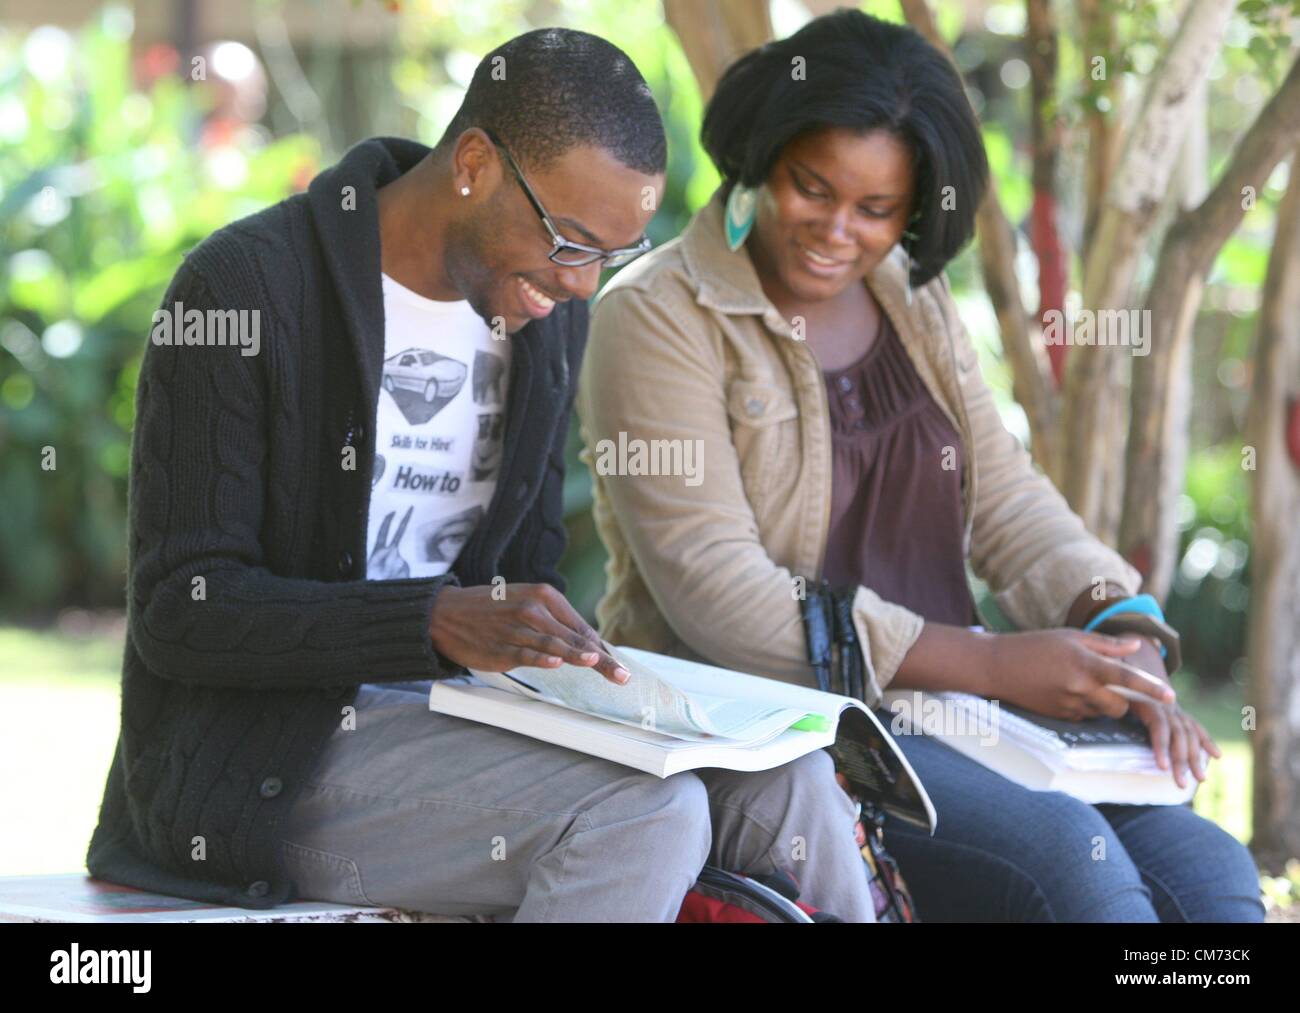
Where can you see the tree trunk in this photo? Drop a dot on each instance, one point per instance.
(1157, 442)
(713, 33)
(1274, 634)
(1045, 137)
(1103, 117)
(1095, 415)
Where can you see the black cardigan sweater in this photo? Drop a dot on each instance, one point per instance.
(231, 685)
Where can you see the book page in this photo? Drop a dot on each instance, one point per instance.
(650, 701)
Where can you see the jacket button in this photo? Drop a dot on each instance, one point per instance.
(754, 407)
(271, 787)
(359, 434)
(345, 562)
(259, 889)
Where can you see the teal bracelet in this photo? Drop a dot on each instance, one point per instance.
(1142, 604)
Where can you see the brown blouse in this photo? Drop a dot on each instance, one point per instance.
(896, 510)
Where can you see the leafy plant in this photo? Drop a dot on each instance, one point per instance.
(109, 172)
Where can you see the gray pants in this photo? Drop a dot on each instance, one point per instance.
(426, 812)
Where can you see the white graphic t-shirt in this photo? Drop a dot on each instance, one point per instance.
(438, 433)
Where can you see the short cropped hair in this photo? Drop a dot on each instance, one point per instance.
(553, 89)
(864, 74)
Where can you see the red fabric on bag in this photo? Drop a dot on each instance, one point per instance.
(697, 908)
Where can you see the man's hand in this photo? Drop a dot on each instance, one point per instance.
(1175, 734)
(533, 624)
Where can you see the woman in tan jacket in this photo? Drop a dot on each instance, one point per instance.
(785, 393)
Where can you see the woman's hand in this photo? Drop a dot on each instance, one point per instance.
(1175, 734)
(530, 624)
(1069, 674)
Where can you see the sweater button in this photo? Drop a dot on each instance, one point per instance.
(259, 889)
(271, 787)
(345, 562)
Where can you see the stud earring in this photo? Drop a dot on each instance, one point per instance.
(464, 191)
(742, 206)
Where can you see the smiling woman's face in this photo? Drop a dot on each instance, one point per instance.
(833, 206)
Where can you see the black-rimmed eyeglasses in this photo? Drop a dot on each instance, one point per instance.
(563, 251)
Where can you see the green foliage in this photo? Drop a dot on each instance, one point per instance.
(1282, 891)
(1211, 592)
(1270, 39)
(1010, 169)
(103, 187)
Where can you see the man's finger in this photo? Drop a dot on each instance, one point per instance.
(569, 645)
(526, 657)
(555, 644)
(564, 612)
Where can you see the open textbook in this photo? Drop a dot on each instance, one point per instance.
(1098, 760)
(674, 715)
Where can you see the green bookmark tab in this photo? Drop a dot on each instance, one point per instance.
(812, 723)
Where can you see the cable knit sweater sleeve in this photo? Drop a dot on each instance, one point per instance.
(204, 608)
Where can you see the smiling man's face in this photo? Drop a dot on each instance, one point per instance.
(496, 253)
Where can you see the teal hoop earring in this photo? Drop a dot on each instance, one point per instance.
(742, 208)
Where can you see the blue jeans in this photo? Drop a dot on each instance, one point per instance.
(1003, 853)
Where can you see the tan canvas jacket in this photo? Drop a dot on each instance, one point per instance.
(685, 346)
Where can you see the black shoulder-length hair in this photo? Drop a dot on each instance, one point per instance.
(864, 74)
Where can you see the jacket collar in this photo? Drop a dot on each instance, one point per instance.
(727, 282)
(345, 209)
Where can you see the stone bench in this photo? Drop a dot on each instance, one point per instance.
(78, 897)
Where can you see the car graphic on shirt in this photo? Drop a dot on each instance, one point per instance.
(434, 377)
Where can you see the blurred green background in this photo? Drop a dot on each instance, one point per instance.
(114, 161)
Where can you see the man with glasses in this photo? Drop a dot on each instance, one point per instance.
(563, 251)
(375, 502)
